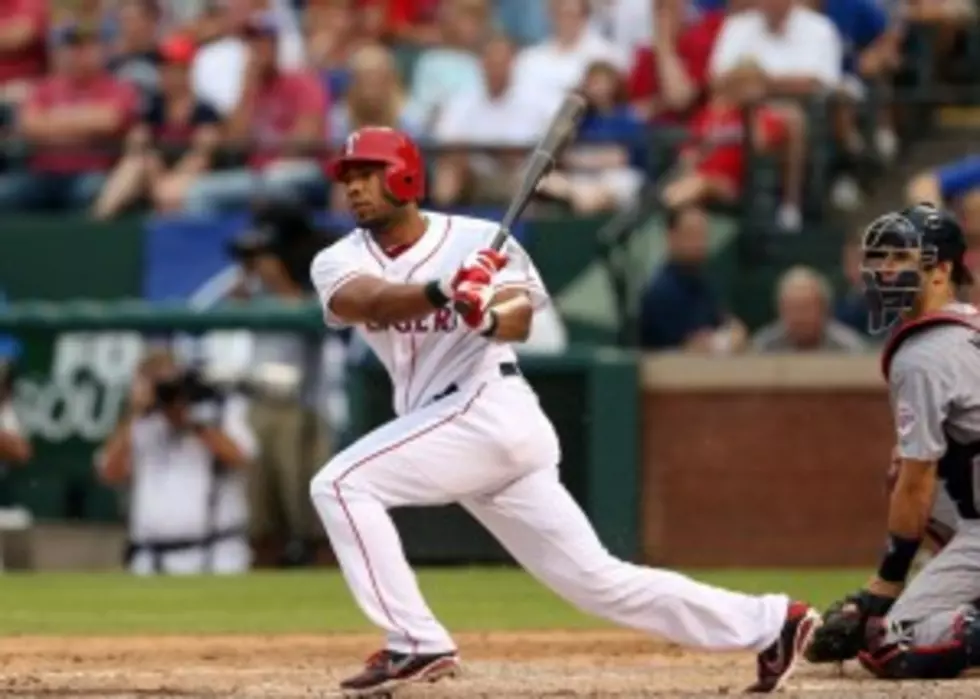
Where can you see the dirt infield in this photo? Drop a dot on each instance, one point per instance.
(546, 664)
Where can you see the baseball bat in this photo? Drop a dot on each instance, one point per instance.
(561, 131)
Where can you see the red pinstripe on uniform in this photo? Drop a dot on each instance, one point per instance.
(350, 519)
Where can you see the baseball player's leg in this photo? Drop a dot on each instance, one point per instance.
(540, 524)
(933, 629)
(430, 457)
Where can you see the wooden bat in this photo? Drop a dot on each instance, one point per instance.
(561, 131)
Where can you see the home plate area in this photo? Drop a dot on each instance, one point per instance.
(499, 664)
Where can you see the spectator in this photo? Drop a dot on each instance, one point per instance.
(222, 58)
(14, 446)
(551, 68)
(411, 22)
(955, 185)
(289, 384)
(626, 23)
(23, 48)
(72, 120)
(798, 49)
(851, 309)
(171, 147)
(669, 77)
(333, 36)
(454, 66)
(280, 117)
(524, 22)
(713, 165)
(604, 171)
(182, 449)
(136, 59)
(679, 308)
(947, 183)
(872, 54)
(804, 301)
(500, 117)
(87, 13)
(375, 96)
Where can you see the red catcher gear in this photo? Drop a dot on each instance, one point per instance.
(404, 175)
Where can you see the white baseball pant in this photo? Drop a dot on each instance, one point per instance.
(490, 448)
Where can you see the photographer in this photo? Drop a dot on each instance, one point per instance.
(296, 385)
(14, 447)
(182, 448)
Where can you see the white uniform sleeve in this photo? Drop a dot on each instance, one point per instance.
(235, 424)
(521, 273)
(331, 269)
(921, 393)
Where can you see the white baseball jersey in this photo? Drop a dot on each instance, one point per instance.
(426, 356)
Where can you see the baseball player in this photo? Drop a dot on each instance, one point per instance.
(913, 269)
(470, 430)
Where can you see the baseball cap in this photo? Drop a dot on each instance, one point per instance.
(178, 49)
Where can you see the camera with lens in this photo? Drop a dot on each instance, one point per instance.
(204, 402)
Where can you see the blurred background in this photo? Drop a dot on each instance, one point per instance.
(162, 193)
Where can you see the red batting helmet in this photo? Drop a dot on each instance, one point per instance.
(404, 174)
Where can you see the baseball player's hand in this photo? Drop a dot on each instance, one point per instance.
(476, 297)
(478, 268)
(846, 626)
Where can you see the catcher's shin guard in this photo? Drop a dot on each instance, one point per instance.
(904, 661)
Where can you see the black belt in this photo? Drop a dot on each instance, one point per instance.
(506, 369)
(158, 549)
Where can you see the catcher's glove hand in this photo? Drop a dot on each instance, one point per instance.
(845, 627)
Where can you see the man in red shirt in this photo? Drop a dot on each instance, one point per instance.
(713, 165)
(670, 77)
(73, 122)
(281, 118)
(23, 53)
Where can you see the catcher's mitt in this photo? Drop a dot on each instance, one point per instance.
(845, 627)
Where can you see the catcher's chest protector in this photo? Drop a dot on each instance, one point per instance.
(907, 330)
(956, 467)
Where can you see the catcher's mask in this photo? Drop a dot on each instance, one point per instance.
(897, 249)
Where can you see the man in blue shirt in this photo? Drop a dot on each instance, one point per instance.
(947, 182)
(680, 309)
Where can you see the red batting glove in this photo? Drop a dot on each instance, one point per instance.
(480, 267)
(477, 298)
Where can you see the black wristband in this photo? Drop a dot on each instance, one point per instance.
(898, 559)
(491, 331)
(433, 292)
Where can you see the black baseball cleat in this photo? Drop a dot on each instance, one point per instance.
(386, 671)
(776, 663)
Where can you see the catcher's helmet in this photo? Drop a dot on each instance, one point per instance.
(404, 173)
(897, 248)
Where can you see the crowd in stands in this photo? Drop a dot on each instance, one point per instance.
(196, 106)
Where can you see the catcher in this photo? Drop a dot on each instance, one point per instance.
(913, 270)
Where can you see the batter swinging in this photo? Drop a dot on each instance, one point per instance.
(470, 430)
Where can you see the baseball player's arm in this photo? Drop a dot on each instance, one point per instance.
(921, 398)
(371, 299)
(514, 314)
(354, 297)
